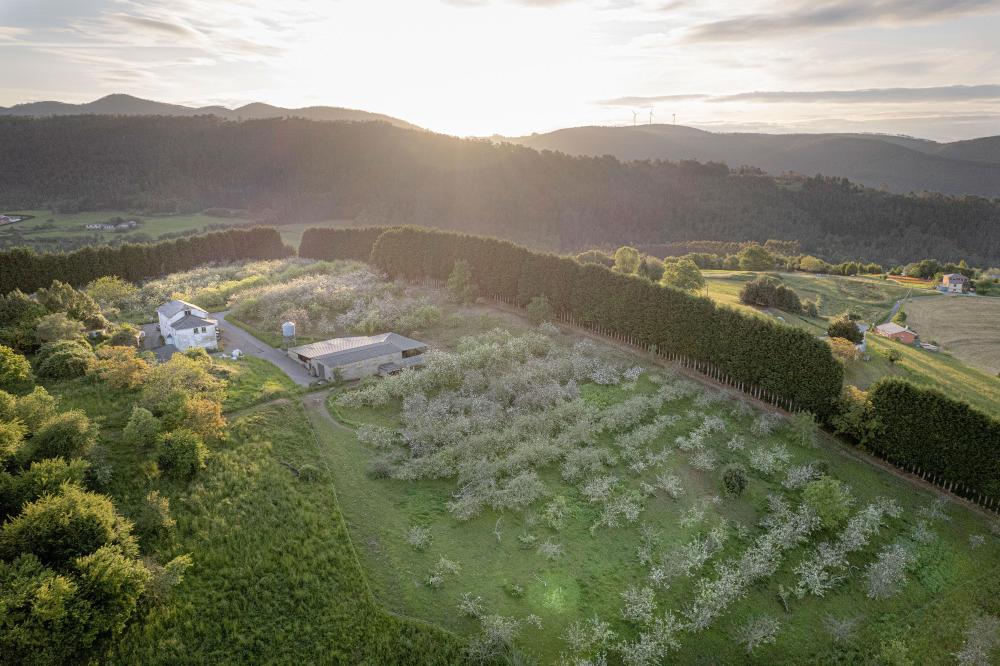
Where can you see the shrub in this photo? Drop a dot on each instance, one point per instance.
(11, 441)
(830, 500)
(754, 257)
(57, 326)
(15, 371)
(768, 292)
(121, 367)
(142, 428)
(7, 404)
(181, 453)
(734, 480)
(845, 328)
(68, 435)
(35, 408)
(64, 359)
(539, 310)
(757, 631)
(59, 528)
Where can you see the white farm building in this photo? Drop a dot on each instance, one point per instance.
(360, 356)
(185, 325)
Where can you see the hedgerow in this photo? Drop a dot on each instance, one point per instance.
(788, 362)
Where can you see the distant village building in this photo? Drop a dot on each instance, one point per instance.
(185, 325)
(896, 332)
(360, 356)
(954, 283)
(109, 226)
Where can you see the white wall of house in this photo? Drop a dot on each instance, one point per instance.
(203, 336)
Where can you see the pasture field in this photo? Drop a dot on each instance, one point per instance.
(46, 229)
(637, 513)
(871, 298)
(939, 370)
(967, 327)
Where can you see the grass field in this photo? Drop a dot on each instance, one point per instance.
(949, 580)
(275, 578)
(871, 298)
(45, 229)
(938, 370)
(967, 327)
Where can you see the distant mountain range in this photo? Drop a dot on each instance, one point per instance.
(901, 164)
(127, 105)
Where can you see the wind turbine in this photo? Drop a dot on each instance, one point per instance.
(675, 119)
(635, 114)
(650, 116)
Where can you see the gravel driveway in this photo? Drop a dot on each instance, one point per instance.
(236, 338)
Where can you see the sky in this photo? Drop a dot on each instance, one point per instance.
(927, 68)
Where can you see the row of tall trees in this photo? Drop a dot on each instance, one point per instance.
(27, 270)
(380, 174)
(347, 243)
(787, 361)
(923, 427)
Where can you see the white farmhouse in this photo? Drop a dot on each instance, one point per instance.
(185, 325)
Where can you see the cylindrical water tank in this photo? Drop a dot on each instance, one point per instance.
(288, 329)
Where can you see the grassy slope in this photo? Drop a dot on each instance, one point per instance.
(72, 225)
(275, 576)
(935, 370)
(965, 326)
(873, 299)
(596, 568)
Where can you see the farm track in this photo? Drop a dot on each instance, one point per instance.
(832, 442)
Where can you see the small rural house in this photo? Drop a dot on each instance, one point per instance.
(954, 283)
(896, 332)
(360, 356)
(185, 325)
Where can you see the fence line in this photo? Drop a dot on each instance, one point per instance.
(713, 372)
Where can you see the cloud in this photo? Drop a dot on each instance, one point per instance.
(155, 25)
(869, 95)
(639, 101)
(809, 17)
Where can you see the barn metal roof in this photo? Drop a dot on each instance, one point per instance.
(357, 348)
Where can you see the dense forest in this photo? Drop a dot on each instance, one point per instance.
(379, 174)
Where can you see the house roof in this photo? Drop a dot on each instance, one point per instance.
(339, 351)
(170, 308)
(891, 329)
(191, 321)
(955, 277)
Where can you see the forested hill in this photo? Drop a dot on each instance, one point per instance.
(900, 164)
(378, 173)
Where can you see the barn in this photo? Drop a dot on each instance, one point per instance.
(359, 356)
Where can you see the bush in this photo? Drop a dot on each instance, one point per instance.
(35, 408)
(181, 453)
(59, 528)
(845, 328)
(539, 310)
(734, 479)
(754, 257)
(64, 359)
(7, 404)
(141, 429)
(69, 435)
(830, 500)
(682, 274)
(11, 441)
(57, 326)
(121, 367)
(15, 371)
(768, 292)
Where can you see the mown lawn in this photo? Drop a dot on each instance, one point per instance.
(253, 380)
(949, 582)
